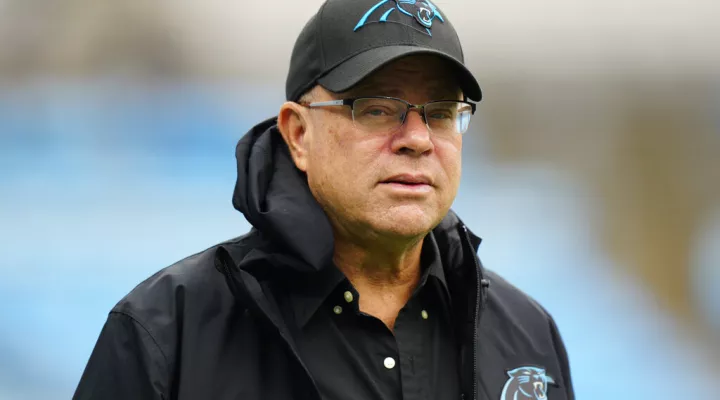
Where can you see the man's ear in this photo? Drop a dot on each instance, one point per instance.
(294, 122)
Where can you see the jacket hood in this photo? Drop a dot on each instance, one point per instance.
(275, 198)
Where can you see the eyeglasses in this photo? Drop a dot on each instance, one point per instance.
(381, 114)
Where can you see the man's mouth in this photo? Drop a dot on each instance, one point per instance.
(409, 183)
(410, 180)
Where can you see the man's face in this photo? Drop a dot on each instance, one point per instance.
(357, 175)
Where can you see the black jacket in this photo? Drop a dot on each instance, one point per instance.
(210, 326)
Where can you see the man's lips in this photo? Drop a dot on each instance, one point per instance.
(409, 184)
(409, 180)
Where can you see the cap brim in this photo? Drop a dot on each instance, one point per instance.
(350, 72)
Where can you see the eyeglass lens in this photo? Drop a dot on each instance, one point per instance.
(443, 117)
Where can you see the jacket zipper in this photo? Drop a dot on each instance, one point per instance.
(481, 285)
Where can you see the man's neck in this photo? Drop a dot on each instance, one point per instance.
(385, 280)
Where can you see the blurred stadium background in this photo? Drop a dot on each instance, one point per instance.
(592, 171)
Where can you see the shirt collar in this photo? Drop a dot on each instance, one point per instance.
(309, 293)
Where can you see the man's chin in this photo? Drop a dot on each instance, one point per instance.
(406, 223)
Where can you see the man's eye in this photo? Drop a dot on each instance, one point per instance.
(377, 112)
(440, 115)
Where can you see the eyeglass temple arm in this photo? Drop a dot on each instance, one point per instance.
(344, 102)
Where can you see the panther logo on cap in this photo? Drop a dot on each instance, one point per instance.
(423, 11)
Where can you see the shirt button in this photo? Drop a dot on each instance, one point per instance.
(424, 314)
(389, 363)
(337, 310)
(348, 296)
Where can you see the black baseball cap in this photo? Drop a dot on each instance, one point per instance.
(349, 39)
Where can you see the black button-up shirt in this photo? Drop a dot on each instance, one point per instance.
(354, 356)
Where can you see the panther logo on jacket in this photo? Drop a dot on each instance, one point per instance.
(526, 383)
(423, 11)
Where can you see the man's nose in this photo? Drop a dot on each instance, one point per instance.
(415, 120)
(414, 137)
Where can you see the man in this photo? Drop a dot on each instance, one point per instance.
(356, 282)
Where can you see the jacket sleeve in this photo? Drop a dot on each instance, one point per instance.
(126, 363)
(563, 358)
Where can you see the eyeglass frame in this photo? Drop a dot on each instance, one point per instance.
(420, 107)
